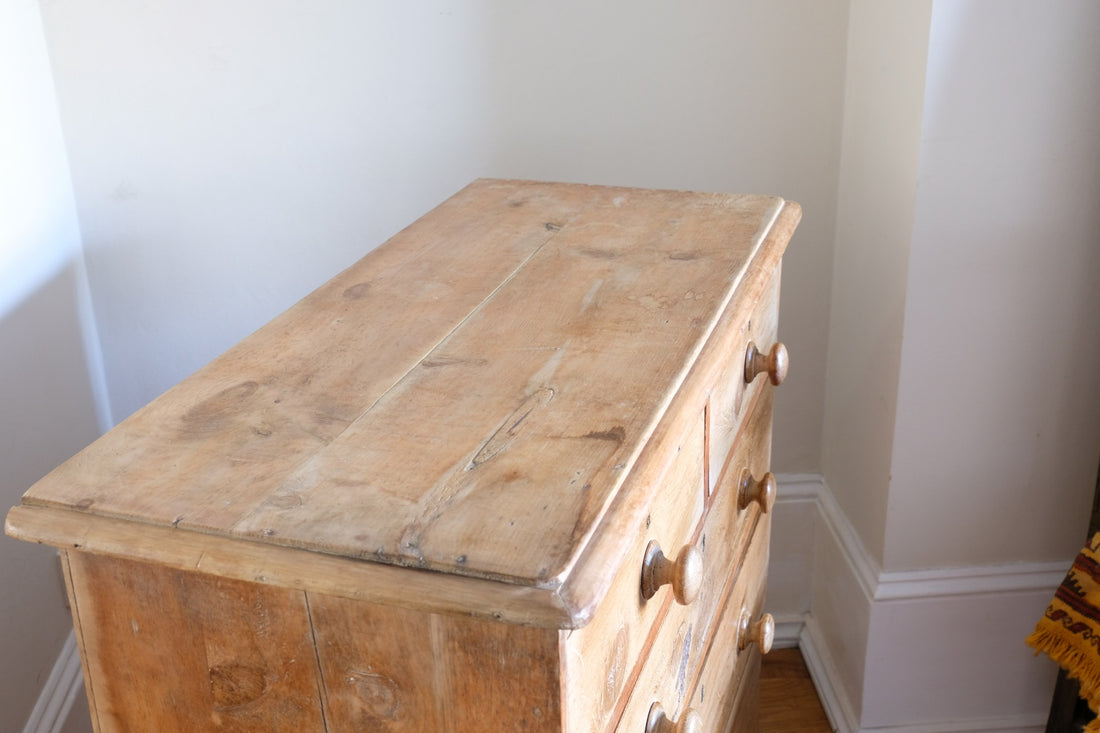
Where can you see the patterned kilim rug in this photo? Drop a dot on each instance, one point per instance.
(1069, 631)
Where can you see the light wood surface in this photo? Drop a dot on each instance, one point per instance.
(708, 385)
(731, 392)
(491, 477)
(611, 654)
(290, 568)
(603, 659)
(735, 539)
(183, 652)
(154, 466)
(694, 648)
(762, 492)
(759, 630)
(728, 670)
(774, 362)
(659, 722)
(389, 670)
(684, 573)
(251, 417)
(330, 439)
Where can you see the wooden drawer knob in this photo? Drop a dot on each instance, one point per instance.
(658, 722)
(762, 492)
(685, 573)
(775, 363)
(761, 632)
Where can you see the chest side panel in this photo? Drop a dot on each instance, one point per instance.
(177, 651)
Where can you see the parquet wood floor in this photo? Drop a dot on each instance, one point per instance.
(788, 701)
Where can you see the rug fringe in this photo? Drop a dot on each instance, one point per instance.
(1080, 665)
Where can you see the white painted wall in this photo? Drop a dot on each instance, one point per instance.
(47, 404)
(887, 55)
(230, 156)
(998, 407)
(964, 363)
(937, 650)
(963, 381)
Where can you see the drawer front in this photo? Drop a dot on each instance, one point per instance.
(731, 396)
(682, 677)
(666, 676)
(726, 694)
(735, 550)
(603, 657)
(604, 660)
(728, 527)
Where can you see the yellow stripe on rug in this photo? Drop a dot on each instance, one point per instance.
(1069, 631)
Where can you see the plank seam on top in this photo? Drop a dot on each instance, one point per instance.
(597, 512)
(234, 530)
(690, 356)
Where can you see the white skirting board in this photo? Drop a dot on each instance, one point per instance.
(929, 651)
(64, 684)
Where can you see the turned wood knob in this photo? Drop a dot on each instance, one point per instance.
(658, 722)
(685, 573)
(760, 632)
(762, 492)
(775, 363)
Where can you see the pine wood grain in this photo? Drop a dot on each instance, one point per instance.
(289, 567)
(204, 653)
(391, 670)
(726, 687)
(326, 422)
(420, 499)
(554, 402)
(595, 569)
(181, 652)
(731, 395)
(604, 658)
(253, 415)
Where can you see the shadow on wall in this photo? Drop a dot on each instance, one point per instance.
(47, 413)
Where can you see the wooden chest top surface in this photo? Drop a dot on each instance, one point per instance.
(467, 398)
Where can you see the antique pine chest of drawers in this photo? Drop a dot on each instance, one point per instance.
(508, 472)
